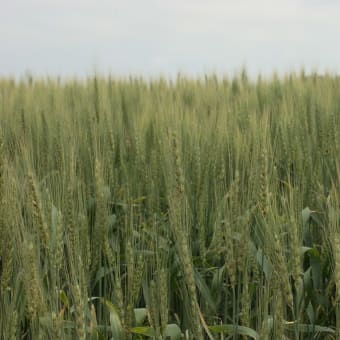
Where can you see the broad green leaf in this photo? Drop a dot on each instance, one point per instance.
(307, 280)
(310, 312)
(106, 192)
(140, 316)
(314, 252)
(101, 273)
(64, 299)
(230, 329)
(306, 328)
(262, 260)
(316, 265)
(306, 213)
(217, 284)
(316, 220)
(147, 331)
(139, 200)
(112, 220)
(307, 236)
(205, 291)
(115, 323)
(46, 321)
(264, 263)
(173, 332)
(304, 250)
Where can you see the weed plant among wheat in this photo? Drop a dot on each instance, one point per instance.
(170, 209)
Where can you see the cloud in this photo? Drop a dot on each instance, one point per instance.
(156, 35)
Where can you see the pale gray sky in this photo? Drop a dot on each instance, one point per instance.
(148, 37)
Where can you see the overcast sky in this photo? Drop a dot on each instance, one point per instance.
(148, 37)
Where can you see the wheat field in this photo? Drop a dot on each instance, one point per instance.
(187, 208)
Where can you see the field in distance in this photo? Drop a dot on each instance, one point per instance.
(202, 208)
